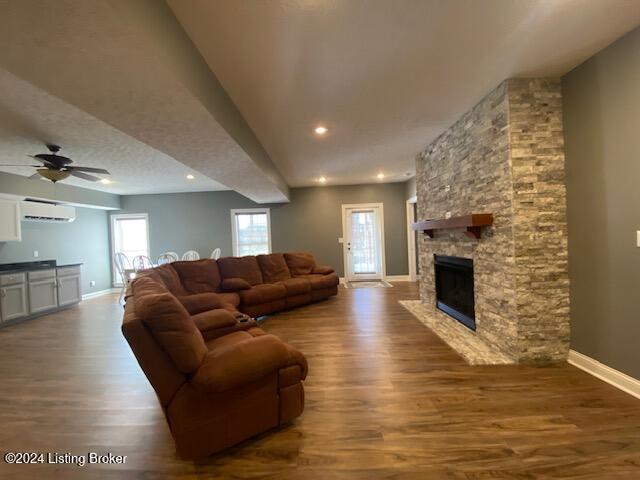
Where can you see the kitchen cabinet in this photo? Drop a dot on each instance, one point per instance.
(32, 289)
(69, 285)
(43, 291)
(13, 297)
(10, 230)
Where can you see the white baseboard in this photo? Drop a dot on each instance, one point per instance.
(99, 293)
(388, 278)
(398, 278)
(610, 375)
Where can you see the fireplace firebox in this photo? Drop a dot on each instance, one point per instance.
(454, 288)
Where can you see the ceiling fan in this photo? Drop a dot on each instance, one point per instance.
(56, 167)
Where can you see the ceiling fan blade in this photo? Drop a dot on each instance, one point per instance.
(44, 161)
(88, 169)
(83, 176)
(18, 165)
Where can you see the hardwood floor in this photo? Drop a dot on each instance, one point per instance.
(385, 399)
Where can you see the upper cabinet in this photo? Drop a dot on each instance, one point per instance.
(10, 220)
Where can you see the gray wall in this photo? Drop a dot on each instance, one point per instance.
(85, 240)
(311, 221)
(410, 188)
(601, 123)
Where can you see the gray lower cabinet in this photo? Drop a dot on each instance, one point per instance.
(69, 286)
(43, 291)
(13, 302)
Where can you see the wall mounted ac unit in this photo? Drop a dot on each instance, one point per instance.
(46, 212)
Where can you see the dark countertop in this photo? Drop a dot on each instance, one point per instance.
(7, 268)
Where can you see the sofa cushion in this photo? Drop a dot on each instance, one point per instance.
(234, 284)
(230, 298)
(169, 323)
(166, 276)
(199, 276)
(267, 292)
(246, 268)
(200, 302)
(319, 282)
(300, 263)
(296, 286)
(273, 267)
(214, 319)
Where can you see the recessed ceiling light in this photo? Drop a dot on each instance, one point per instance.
(105, 181)
(322, 180)
(190, 177)
(320, 130)
(381, 175)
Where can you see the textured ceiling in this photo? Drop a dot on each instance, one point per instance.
(386, 77)
(130, 65)
(30, 117)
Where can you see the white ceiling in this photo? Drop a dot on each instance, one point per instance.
(130, 65)
(386, 77)
(30, 117)
(120, 83)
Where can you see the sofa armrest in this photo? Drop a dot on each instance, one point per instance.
(219, 322)
(200, 302)
(234, 284)
(241, 363)
(322, 270)
(214, 319)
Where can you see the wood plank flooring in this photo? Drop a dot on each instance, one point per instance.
(385, 399)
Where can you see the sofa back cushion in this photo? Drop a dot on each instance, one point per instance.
(273, 267)
(246, 268)
(166, 276)
(199, 276)
(300, 263)
(169, 323)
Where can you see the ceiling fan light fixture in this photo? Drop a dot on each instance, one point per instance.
(53, 175)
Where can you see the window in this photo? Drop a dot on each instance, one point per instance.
(129, 235)
(251, 231)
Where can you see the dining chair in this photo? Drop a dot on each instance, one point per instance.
(167, 257)
(141, 262)
(123, 267)
(216, 254)
(191, 255)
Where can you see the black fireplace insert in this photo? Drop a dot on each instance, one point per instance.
(454, 288)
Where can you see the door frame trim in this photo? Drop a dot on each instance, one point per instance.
(383, 261)
(411, 239)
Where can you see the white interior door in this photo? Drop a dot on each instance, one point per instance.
(363, 239)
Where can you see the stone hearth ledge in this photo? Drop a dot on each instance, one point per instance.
(472, 348)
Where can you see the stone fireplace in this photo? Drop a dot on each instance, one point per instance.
(504, 157)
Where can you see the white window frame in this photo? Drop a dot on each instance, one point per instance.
(234, 225)
(117, 282)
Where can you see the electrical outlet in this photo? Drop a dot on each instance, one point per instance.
(447, 188)
(92, 283)
(447, 215)
(36, 254)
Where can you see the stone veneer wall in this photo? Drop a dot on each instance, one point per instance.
(505, 156)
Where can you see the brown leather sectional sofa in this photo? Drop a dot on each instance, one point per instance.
(219, 378)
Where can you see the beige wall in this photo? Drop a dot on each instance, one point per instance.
(602, 135)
